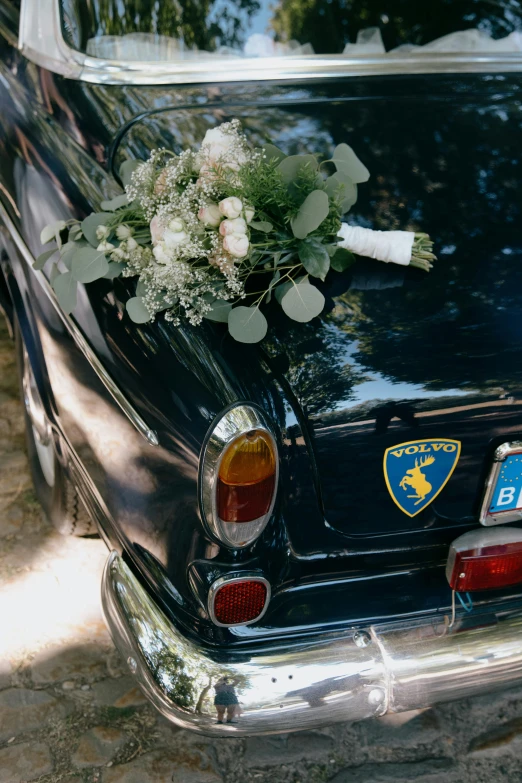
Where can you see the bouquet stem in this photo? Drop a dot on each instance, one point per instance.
(421, 252)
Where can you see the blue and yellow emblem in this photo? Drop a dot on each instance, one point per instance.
(418, 470)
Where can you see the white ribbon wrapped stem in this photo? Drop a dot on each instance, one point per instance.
(389, 246)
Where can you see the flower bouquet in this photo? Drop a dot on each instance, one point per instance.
(217, 232)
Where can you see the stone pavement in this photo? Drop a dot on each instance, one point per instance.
(69, 712)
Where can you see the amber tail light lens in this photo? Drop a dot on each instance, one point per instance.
(238, 601)
(238, 476)
(246, 479)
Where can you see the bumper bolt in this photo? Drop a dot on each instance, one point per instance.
(133, 666)
(376, 696)
(362, 639)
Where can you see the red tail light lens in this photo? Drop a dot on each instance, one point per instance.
(246, 480)
(238, 601)
(492, 560)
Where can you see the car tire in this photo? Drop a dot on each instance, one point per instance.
(53, 488)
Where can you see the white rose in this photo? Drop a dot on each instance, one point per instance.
(236, 226)
(176, 225)
(156, 230)
(217, 144)
(231, 207)
(210, 215)
(249, 214)
(102, 232)
(105, 247)
(174, 238)
(236, 244)
(131, 244)
(160, 254)
(123, 231)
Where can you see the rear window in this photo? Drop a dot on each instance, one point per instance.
(170, 30)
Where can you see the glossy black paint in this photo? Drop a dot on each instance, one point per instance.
(445, 347)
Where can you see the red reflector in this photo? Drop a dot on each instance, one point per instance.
(239, 602)
(487, 568)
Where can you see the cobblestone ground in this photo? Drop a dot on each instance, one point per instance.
(69, 711)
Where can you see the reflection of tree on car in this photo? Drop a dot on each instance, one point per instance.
(329, 26)
(199, 25)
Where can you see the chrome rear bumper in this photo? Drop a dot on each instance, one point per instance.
(387, 669)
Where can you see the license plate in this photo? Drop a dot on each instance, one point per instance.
(503, 501)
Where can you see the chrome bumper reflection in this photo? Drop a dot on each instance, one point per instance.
(305, 686)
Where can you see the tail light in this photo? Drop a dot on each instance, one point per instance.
(238, 476)
(239, 600)
(485, 560)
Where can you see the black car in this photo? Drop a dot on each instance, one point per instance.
(366, 586)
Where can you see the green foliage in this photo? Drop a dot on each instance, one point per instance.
(137, 310)
(88, 265)
(91, 223)
(311, 213)
(220, 311)
(342, 260)
(115, 203)
(347, 163)
(65, 288)
(302, 302)
(42, 259)
(314, 257)
(247, 324)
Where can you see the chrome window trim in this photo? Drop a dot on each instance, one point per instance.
(41, 41)
(113, 389)
(502, 517)
(250, 576)
(229, 425)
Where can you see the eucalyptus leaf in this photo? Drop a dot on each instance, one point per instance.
(54, 272)
(137, 310)
(342, 259)
(91, 223)
(52, 231)
(70, 249)
(88, 265)
(220, 311)
(272, 152)
(312, 212)
(75, 233)
(275, 279)
(127, 169)
(115, 269)
(141, 287)
(333, 187)
(302, 302)
(347, 161)
(115, 203)
(65, 288)
(290, 167)
(261, 225)
(314, 257)
(42, 259)
(247, 324)
(280, 290)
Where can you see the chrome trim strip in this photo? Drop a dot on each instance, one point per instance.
(41, 41)
(358, 675)
(233, 422)
(231, 579)
(117, 395)
(502, 517)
